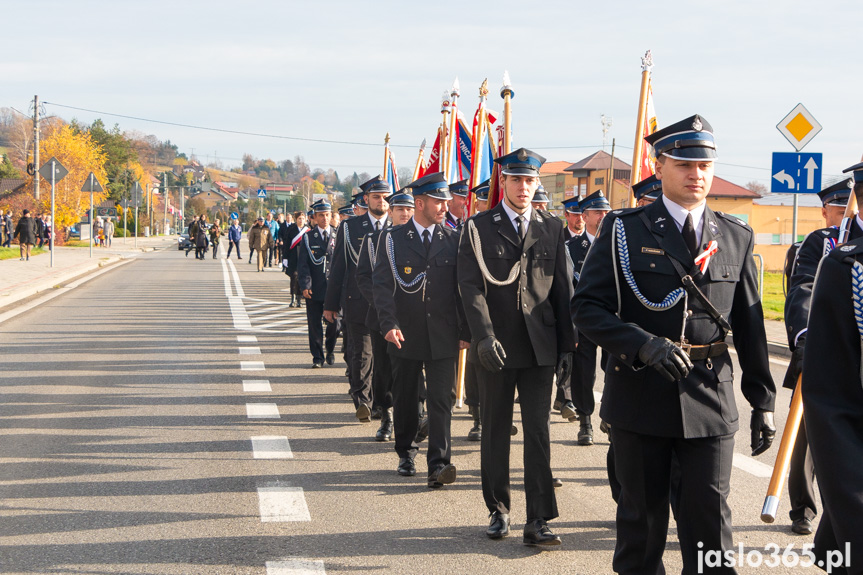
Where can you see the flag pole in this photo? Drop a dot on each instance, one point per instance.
(479, 129)
(507, 93)
(452, 132)
(444, 110)
(635, 177)
(387, 157)
(418, 168)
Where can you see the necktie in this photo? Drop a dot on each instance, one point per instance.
(519, 226)
(326, 239)
(426, 240)
(689, 236)
(377, 225)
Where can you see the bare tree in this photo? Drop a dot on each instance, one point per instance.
(757, 187)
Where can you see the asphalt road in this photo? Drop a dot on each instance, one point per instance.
(127, 447)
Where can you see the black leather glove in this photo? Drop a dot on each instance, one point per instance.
(666, 358)
(564, 367)
(795, 366)
(491, 353)
(763, 431)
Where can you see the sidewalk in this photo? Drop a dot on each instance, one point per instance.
(777, 340)
(20, 280)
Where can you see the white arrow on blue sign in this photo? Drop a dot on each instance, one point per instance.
(235, 216)
(262, 193)
(795, 173)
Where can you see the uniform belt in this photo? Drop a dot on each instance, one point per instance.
(699, 352)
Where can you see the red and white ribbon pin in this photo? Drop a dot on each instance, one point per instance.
(703, 259)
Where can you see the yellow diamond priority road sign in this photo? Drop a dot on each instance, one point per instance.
(799, 126)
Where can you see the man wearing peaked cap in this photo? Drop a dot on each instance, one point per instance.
(574, 218)
(480, 193)
(540, 199)
(314, 260)
(647, 190)
(659, 291)
(808, 255)
(416, 296)
(456, 210)
(832, 396)
(359, 202)
(515, 286)
(343, 294)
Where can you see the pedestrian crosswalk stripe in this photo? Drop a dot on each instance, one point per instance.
(251, 365)
(271, 447)
(256, 385)
(281, 503)
(247, 339)
(262, 411)
(295, 567)
(250, 351)
(751, 466)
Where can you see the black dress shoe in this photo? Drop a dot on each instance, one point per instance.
(557, 482)
(423, 430)
(364, 414)
(537, 534)
(331, 359)
(567, 411)
(442, 476)
(802, 526)
(498, 526)
(557, 405)
(385, 431)
(407, 467)
(585, 430)
(317, 364)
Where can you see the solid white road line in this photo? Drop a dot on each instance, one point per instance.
(250, 350)
(247, 339)
(256, 385)
(281, 503)
(752, 466)
(262, 411)
(271, 447)
(295, 567)
(236, 276)
(226, 280)
(251, 366)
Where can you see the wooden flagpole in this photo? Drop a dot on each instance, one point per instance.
(387, 157)
(444, 110)
(452, 132)
(638, 147)
(507, 93)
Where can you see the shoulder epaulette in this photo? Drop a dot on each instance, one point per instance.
(733, 219)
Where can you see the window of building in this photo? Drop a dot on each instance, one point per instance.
(598, 181)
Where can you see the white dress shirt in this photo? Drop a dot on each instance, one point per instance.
(511, 214)
(679, 213)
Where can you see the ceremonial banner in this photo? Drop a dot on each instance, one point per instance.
(391, 175)
(648, 157)
(434, 157)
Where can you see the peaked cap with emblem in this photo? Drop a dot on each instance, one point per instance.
(857, 170)
(689, 139)
(595, 201)
(346, 210)
(359, 200)
(540, 195)
(432, 185)
(837, 194)
(322, 206)
(401, 198)
(376, 185)
(572, 206)
(521, 162)
(459, 189)
(481, 191)
(648, 187)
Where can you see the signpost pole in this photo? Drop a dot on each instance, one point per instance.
(91, 215)
(794, 221)
(51, 235)
(125, 220)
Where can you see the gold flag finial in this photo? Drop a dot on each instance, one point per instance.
(387, 138)
(483, 89)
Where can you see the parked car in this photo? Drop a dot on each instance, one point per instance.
(183, 242)
(74, 232)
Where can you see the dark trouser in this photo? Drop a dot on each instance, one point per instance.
(271, 254)
(614, 484)
(215, 249)
(251, 253)
(471, 384)
(199, 252)
(801, 477)
(584, 376)
(643, 465)
(407, 374)
(231, 244)
(314, 315)
(382, 372)
(360, 364)
(496, 396)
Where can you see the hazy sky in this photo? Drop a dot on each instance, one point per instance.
(352, 71)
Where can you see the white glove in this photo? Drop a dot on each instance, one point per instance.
(284, 263)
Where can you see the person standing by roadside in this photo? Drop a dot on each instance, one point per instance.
(193, 233)
(7, 224)
(259, 239)
(235, 233)
(25, 231)
(200, 238)
(39, 225)
(109, 232)
(215, 234)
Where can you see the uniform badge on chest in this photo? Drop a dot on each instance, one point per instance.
(408, 270)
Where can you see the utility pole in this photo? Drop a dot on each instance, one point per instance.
(36, 146)
(165, 200)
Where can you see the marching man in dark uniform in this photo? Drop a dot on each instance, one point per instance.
(647, 191)
(313, 266)
(401, 211)
(416, 295)
(342, 292)
(594, 207)
(457, 206)
(816, 245)
(516, 285)
(574, 219)
(540, 199)
(661, 288)
(563, 396)
(833, 399)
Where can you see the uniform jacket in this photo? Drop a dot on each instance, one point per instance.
(815, 246)
(288, 237)
(369, 252)
(577, 248)
(431, 317)
(342, 292)
(25, 231)
(309, 274)
(833, 402)
(530, 317)
(259, 237)
(453, 222)
(608, 312)
(568, 235)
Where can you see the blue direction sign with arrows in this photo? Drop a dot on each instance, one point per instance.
(795, 173)
(262, 193)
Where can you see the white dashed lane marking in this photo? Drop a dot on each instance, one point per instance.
(250, 351)
(751, 466)
(271, 447)
(295, 567)
(247, 339)
(256, 385)
(251, 366)
(262, 411)
(281, 503)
